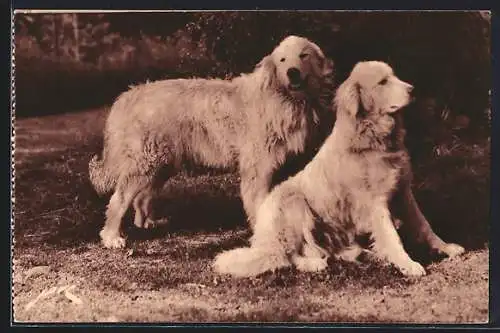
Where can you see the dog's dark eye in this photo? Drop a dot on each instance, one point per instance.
(303, 55)
(282, 59)
(383, 81)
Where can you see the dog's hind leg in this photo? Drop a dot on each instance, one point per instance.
(117, 207)
(314, 257)
(143, 202)
(310, 247)
(126, 191)
(387, 244)
(143, 209)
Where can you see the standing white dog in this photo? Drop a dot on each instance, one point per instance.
(342, 192)
(253, 122)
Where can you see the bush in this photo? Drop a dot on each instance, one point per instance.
(445, 54)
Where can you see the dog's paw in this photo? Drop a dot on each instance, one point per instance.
(112, 241)
(451, 250)
(150, 224)
(306, 264)
(412, 268)
(350, 254)
(368, 256)
(144, 223)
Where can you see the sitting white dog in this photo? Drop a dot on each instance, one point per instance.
(342, 192)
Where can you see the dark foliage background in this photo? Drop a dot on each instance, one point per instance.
(69, 61)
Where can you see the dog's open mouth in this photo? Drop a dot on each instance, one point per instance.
(298, 85)
(295, 86)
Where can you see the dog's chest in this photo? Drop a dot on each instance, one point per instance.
(289, 134)
(380, 174)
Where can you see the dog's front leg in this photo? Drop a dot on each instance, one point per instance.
(416, 225)
(255, 186)
(387, 244)
(253, 193)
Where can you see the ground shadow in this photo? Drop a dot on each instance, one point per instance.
(191, 212)
(56, 204)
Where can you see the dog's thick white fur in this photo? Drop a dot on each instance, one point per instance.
(343, 191)
(253, 122)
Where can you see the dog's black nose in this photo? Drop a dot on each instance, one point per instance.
(293, 75)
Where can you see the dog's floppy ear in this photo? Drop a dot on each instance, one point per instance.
(326, 63)
(327, 66)
(347, 98)
(266, 71)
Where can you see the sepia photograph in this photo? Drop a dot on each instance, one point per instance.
(252, 166)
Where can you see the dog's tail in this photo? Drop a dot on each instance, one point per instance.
(100, 177)
(249, 261)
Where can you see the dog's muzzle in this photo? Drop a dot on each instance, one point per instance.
(295, 79)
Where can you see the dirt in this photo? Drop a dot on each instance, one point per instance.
(62, 273)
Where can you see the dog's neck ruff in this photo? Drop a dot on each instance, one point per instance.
(368, 134)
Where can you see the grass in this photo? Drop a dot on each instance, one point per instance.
(165, 276)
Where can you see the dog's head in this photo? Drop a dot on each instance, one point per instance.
(367, 101)
(373, 88)
(296, 66)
